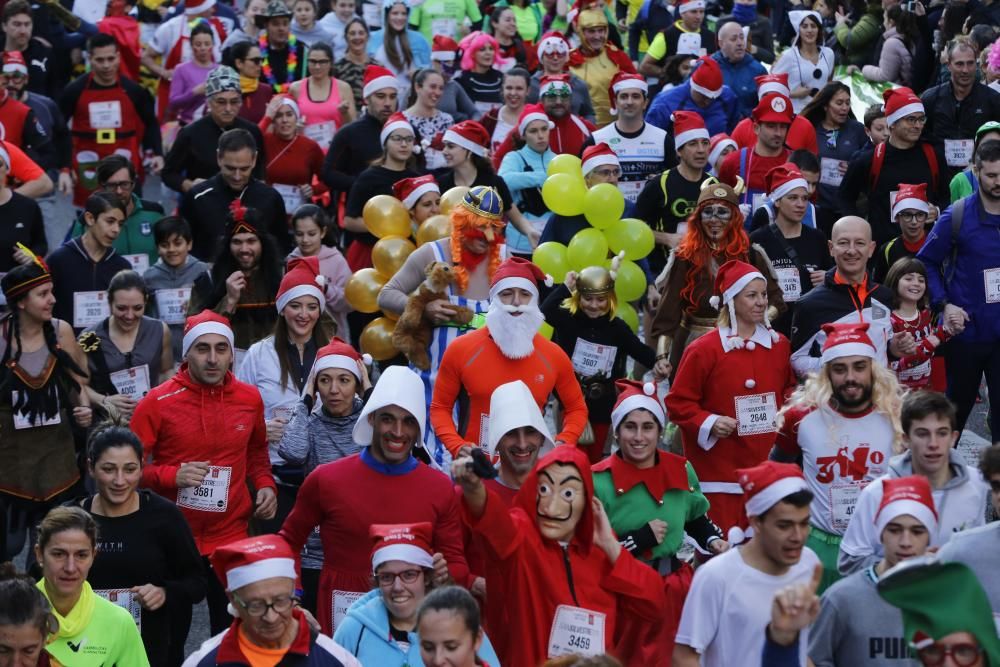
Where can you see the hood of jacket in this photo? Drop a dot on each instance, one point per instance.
(369, 610)
(901, 465)
(325, 252)
(527, 497)
(186, 273)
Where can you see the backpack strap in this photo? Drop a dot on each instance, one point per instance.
(932, 162)
(743, 166)
(878, 159)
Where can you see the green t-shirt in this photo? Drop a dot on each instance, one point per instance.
(961, 185)
(136, 237)
(111, 638)
(443, 17)
(529, 21)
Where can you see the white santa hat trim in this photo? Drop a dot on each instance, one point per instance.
(852, 349)
(630, 84)
(514, 281)
(772, 495)
(690, 135)
(635, 402)
(914, 508)
(338, 361)
(738, 286)
(411, 199)
(378, 84)
(710, 94)
(531, 118)
(912, 202)
(903, 112)
(244, 575)
(787, 187)
(293, 105)
(202, 329)
(691, 5)
(459, 140)
(300, 290)
(552, 43)
(599, 161)
(713, 157)
(408, 553)
(12, 68)
(443, 55)
(773, 87)
(391, 127)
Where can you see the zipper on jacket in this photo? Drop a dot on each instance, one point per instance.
(569, 574)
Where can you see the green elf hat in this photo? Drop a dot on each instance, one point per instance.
(938, 599)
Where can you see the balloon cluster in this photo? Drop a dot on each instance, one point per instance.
(387, 218)
(565, 193)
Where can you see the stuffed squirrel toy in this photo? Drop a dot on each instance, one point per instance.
(412, 334)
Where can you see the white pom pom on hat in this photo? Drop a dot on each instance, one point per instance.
(714, 301)
(649, 389)
(366, 359)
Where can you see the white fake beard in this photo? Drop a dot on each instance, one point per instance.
(514, 335)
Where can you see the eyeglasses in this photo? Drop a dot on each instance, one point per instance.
(386, 579)
(608, 172)
(914, 120)
(256, 61)
(258, 608)
(325, 61)
(963, 654)
(718, 212)
(119, 185)
(909, 216)
(401, 138)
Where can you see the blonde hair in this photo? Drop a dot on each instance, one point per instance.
(817, 392)
(572, 303)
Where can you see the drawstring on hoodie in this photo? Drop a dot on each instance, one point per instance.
(569, 573)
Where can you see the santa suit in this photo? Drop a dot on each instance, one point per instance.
(347, 496)
(748, 383)
(546, 585)
(475, 364)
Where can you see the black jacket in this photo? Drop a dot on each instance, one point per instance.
(353, 149)
(195, 151)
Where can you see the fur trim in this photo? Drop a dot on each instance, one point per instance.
(649, 389)
(714, 301)
(366, 359)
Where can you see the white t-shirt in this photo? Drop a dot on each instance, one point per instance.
(729, 606)
(169, 33)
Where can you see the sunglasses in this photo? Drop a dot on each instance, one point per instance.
(256, 61)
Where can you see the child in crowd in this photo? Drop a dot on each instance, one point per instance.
(170, 279)
(908, 281)
(312, 229)
(876, 125)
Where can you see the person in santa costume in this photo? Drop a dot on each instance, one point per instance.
(474, 249)
(714, 236)
(841, 426)
(597, 60)
(508, 348)
(728, 389)
(730, 595)
(383, 483)
(652, 499)
(567, 583)
(259, 576)
(203, 434)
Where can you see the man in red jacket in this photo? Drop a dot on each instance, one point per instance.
(203, 434)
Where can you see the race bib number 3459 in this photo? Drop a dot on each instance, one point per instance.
(576, 630)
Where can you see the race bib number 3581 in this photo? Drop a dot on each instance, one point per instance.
(213, 493)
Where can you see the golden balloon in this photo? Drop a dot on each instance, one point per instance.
(434, 228)
(386, 216)
(452, 198)
(376, 339)
(362, 290)
(390, 253)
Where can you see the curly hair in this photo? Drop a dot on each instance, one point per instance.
(817, 392)
(696, 249)
(461, 220)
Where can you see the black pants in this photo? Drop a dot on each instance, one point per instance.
(180, 614)
(966, 363)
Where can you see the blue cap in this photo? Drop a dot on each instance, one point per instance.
(484, 201)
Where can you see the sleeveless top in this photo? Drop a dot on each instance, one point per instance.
(145, 351)
(322, 117)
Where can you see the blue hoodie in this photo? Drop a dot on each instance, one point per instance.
(720, 116)
(740, 77)
(365, 633)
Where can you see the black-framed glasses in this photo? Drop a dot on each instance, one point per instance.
(119, 185)
(910, 216)
(719, 212)
(963, 654)
(402, 138)
(324, 61)
(258, 608)
(386, 579)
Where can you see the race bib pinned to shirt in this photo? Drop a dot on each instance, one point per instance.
(132, 382)
(958, 152)
(21, 420)
(789, 282)
(290, 194)
(755, 414)
(89, 308)
(829, 172)
(591, 359)
(843, 499)
(576, 631)
(321, 133)
(991, 282)
(105, 115)
(341, 601)
(139, 262)
(212, 495)
(125, 599)
(172, 304)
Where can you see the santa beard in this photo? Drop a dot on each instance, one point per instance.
(514, 335)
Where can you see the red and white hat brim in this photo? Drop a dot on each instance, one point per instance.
(15, 68)
(389, 128)
(636, 402)
(300, 290)
(378, 84)
(773, 87)
(408, 553)
(269, 568)
(337, 361)
(199, 8)
(767, 498)
(914, 508)
(512, 282)
(710, 94)
(411, 199)
(690, 135)
(787, 187)
(202, 329)
(444, 55)
(904, 111)
(550, 44)
(691, 5)
(522, 126)
(909, 202)
(466, 143)
(713, 157)
(599, 161)
(852, 349)
(740, 283)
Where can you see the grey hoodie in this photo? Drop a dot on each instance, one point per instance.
(961, 504)
(160, 276)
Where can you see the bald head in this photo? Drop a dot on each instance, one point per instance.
(851, 247)
(851, 225)
(731, 41)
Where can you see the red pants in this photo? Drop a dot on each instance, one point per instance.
(595, 450)
(641, 643)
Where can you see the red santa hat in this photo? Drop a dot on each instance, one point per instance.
(688, 126)
(846, 339)
(205, 322)
(339, 354)
(192, 7)
(596, 156)
(408, 542)
(912, 197)
(633, 395)
(518, 272)
(302, 278)
(253, 559)
(625, 81)
(907, 495)
(732, 277)
(396, 121)
(410, 190)
(444, 48)
(900, 103)
(550, 82)
(689, 5)
(530, 114)
(772, 83)
(470, 135)
(767, 484)
(719, 143)
(774, 108)
(707, 78)
(783, 179)
(13, 63)
(552, 42)
(377, 78)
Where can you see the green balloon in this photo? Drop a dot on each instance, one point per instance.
(551, 258)
(587, 248)
(632, 236)
(630, 283)
(603, 205)
(627, 313)
(563, 194)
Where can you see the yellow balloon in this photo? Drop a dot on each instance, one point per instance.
(386, 216)
(627, 313)
(362, 290)
(564, 194)
(434, 228)
(452, 198)
(376, 339)
(566, 163)
(390, 253)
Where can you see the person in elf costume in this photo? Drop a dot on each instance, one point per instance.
(568, 584)
(582, 313)
(597, 60)
(474, 250)
(284, 56)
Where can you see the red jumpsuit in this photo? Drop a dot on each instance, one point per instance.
(546, 584)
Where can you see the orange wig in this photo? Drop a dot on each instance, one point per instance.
(464, 221)
(697, 250)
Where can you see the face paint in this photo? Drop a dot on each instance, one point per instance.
(560, 501)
